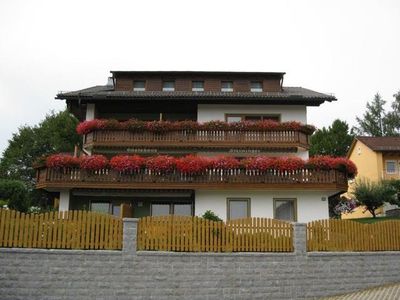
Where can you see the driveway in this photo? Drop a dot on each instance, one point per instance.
(386, 292)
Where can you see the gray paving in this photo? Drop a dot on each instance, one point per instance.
(386, 292)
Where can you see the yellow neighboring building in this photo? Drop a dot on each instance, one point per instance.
(376, 158)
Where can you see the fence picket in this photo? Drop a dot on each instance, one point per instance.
(67, 230)
(194, 234)
(347, 235)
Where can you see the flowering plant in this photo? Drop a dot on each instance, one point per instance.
(259, 163)
(123, 163)
(192, 164)
(161, 163)
(164, 126)
(89, 126)
(224, 162)
(288, 163)
(215, 125)
(62, 161)
(93, 162)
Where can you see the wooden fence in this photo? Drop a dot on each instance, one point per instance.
(194, 234)
(60, 230)
(347, 235)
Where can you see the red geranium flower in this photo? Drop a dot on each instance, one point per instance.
(259, 163)
(192, 164)
(161, 163)
(62, 161)
(124, 163)
(224, 163)
(93, 162)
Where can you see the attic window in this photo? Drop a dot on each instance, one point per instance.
(256, 86)
(198, 86)
(227, 86)
(139, 86)
(168, 86)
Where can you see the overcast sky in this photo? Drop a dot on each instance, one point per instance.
(349, 48)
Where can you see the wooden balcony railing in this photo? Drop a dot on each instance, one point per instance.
(200, 138)
(210, 179)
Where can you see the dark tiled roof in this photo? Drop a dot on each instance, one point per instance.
(387, 143)
(291, 95)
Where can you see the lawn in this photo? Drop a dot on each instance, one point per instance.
(373, 220)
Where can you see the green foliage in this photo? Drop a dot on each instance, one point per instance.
(334, 140)
(377, 122)
(209, 215)
(56, 133)
(15, 193)
(3, 203)
(373, 195)
(392, 120)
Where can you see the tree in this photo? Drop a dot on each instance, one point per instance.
(56, 133)
(15, 194)
(334, 140)
(392, 120)
(373, 195)
(373, 121)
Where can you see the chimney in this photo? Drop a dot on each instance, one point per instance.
(110, 82)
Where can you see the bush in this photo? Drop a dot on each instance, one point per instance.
(373, 195)
(209, 215)
(15, 193)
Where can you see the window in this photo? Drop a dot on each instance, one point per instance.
(238, 208)
(102, 207)
(160, 209)
(198, 86)
(168, 86)
(116, 210)
(139, 85)
(285, 209)
(390, 166)
(242, 117)
(227, 86)
(256, 86)
(164, 209)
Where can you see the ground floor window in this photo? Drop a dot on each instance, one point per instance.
(172, 208)
(238, 208)
(102, 207)
(285, 209)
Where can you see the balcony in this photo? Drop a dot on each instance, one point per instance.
(333, 180)
(201, 139)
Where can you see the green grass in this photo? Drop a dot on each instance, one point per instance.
(374, 220)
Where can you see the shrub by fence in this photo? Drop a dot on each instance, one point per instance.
(347, 235)
(194, 234)
(60, 230)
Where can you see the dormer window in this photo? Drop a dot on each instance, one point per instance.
(256, 86)
(168, 86)
(227, 86)
(139, 86)
(198, 86)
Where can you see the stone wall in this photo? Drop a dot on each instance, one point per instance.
(127, 274)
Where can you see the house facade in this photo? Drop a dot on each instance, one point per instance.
(228, 106)
(377, 159)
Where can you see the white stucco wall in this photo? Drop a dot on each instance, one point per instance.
(209, 112)
(309, 203)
